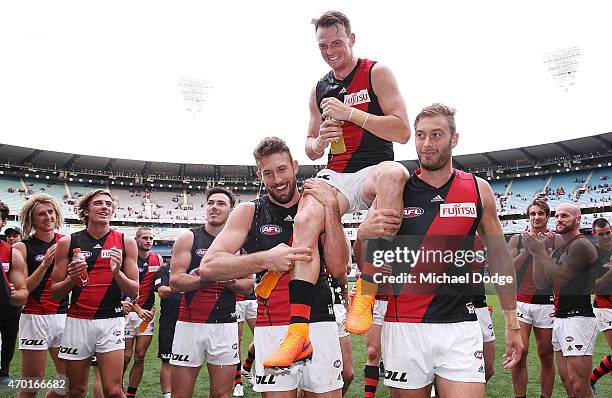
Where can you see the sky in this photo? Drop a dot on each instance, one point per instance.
(101, 78)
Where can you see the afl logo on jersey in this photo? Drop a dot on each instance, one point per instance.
(360, 97)
(39, 258)
(270, 229)
(87, 254)
(5, 267)
(458, 210)
(410, 212)
(201, 252)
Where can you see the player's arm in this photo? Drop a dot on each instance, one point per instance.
(500, 263)
(17, 278)
(602, 283)
(315, 146)
(36, 277)
(392, 125)
(243, 285)
(64, 273)
(580, 254)
(126, 276)
(518, 256)
(180, 280)
(220, 262)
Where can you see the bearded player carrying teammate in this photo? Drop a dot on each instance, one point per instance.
(94, 266)
(206, 330)
(140, 322)
(264, 228)
(43, 319)
(534, 306)
(357, 102)
(430, 331)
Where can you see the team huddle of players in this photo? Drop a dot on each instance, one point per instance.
(271, 262)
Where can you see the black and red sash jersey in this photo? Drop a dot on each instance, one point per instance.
(147, 269)
(170, 305)
(272, 225)
(101, 297)
(574, 297)
(603, 296)
(39, 300)
(439, 224)
(212, 303)
(5, 263)
(363, 148)
(479, 299)
(527, 290)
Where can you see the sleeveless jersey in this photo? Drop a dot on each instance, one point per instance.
(147, 269)
(441, 223)
(5, 262)
(101, 297)
(574, 297)
(527, 290)
(272, 225)
(363, 148)
(603, 296)
(479, 299)
(212, 303)
(170, 305)
(39, 300)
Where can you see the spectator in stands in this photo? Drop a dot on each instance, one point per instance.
(13, 235)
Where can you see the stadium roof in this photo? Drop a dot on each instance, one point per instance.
(594, 146)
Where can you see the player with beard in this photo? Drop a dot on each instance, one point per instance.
(603, 292)
(206, 330)
(535, 306)
(434, 321)
(571, 269)
(95, 322)
(359, 103)
(140, 321)
(42, 323)
(263, 228)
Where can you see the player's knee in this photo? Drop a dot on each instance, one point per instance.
(348, 375)
(392, 172)
(546, 359)
(220, 392)
(373, 353)
(77, 391)
(113, 392)
(139, 357)
(309, 216)
(579, 386)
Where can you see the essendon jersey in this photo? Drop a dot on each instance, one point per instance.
(363, 148)
(574, 297)
(603, 295)
(272, 225)
(39, 300)
(5, 262)
(101, 297)
(439, 225)
(527, 290)
(169, 305)
(147, 269)
(213, 303)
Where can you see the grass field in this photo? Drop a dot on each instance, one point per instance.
(499, 386)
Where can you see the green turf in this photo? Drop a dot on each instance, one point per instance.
(499, 386)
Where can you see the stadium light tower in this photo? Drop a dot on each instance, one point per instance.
(563, 65)
(194, 92)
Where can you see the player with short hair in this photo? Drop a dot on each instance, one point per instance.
(95, 266)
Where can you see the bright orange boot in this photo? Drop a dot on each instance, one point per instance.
(296, 347)
(359, 316)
